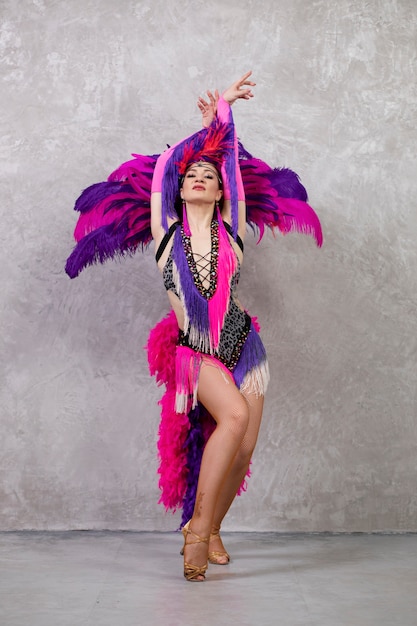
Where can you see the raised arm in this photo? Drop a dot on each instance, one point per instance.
(208, 110)
(240, 89)
(157, 228)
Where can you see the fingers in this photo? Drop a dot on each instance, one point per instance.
(208, 107)
(246, 94)
(244, 80)
(243, 94)
(213, 99)
(204, 106)
(240, 89)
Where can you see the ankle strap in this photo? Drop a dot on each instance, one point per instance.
(199, 539)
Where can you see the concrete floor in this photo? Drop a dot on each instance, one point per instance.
(135, 579)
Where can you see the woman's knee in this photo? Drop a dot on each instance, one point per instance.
(223, 400)
(238, 416)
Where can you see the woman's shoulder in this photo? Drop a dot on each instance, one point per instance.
(238, 239)
(162, 244)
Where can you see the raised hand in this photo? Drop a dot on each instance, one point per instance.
(235, 91)
(208, 109)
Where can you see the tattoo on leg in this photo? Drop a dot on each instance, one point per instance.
(198, 504)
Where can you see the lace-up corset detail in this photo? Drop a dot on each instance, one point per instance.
(203, 267)
(167, 276)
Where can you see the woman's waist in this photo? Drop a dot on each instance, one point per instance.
(236, 327)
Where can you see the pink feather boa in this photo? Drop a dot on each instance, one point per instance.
(174, 427)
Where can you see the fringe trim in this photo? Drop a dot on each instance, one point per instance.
(197, 337)
(204, 319)
(218, 305)
(187, 370)
(256, 380)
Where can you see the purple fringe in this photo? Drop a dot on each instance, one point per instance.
(195, 304)
(252, 355)
(230, 167)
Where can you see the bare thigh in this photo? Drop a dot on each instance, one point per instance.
(255, 405)
(219, 395)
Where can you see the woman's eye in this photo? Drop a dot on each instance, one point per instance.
(190, 175)
(210, 176)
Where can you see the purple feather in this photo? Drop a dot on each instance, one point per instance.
(287, 184)
(275, 198)
(96, 193)
(195, 446)
(102, 244)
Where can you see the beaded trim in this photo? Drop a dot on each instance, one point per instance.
(186, 242)
(240, 342)
(183, 340)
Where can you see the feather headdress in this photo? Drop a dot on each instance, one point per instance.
(215, 145)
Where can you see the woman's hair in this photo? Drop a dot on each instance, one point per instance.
(178, 199)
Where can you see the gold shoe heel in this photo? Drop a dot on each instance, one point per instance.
(215, 556)
(193, 573)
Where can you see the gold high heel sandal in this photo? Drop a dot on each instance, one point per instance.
(214, 557)
(193, 573)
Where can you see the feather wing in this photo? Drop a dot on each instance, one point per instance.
(276, 199)
(114, 215)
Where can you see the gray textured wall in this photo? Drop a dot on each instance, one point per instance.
(84, 84)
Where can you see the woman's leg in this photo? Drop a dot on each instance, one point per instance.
(237, 472)
(220, 396)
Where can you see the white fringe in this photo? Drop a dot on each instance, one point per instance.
(182, 401)
(256, 380)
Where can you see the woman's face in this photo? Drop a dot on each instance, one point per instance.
(201, 183)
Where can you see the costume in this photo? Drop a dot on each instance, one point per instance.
(115, 220)
(237, 349)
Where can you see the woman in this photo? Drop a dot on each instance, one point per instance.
(207, 352)
(237, 412)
